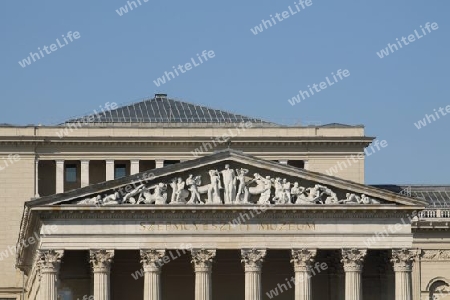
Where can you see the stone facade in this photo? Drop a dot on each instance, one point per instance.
(92, 249)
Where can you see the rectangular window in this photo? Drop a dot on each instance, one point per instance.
(71, 173)
(171, 162)
(120, 170)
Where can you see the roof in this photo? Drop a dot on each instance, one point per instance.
(437, 196)
(161, 109)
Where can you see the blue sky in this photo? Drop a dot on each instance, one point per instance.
(117, 58)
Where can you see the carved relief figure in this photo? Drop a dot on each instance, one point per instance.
(158, 197)
(262, 188)
(312, 197)
(351, 199)
(259, 188)
(278, 190)
(130, 197)
(112, 199)
(193, 184)
(229, 181)
(214, 188)
(97, 200)
(180, 194)
(242, 191)
(236, 191)
(296, 191)
(265, 195)
(287, 191)
(332, 197)
(174, 186)
(280, 195)
(367, 200)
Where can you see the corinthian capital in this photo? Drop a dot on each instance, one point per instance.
(101, 260)
(353, 259)
(303, 259)
(402, 259)
(202, 259)
(253, 259)
(49, 260)
(152, 259)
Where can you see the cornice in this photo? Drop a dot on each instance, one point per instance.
(431, 225)
(173, 141)
(222, 213)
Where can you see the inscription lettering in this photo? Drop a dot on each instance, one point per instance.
(224, 227)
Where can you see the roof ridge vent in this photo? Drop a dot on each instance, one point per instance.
(160, 96)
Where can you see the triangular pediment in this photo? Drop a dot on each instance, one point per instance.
(246, 181)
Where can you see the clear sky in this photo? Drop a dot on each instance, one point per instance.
(117, 58)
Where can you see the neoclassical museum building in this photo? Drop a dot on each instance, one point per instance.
(167, 200)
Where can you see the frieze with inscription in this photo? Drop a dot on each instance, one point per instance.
(164, 227)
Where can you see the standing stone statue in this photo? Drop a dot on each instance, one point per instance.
(279, 191)
(174, 186)
(214, 188)
(296, 191)
(229, 181)
(265, 195)
(193, 184)
(286, 191)
(242, 191)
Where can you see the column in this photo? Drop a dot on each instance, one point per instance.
(353, 264)
(159, 163)
(202, 260)
(152, 262)
(49, 262)
(84, 173)
(253, 260)
(101, 265)
(402, 259)
(60, 176)
(302, 260)
(134, 166)
(36, 175)
(109, 169)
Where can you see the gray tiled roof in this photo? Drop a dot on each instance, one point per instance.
(438, 196)
(161, 109)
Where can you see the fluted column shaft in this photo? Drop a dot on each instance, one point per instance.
(202, 260)
(101, 265)
(203, 287)
(403, 260)
(353, 288)
(49, 262)
(101, 285)
(303, 286)
(353, 260)
(152, 262)
(253, 260)
(252, 284)
(403, 287)
(302, 260)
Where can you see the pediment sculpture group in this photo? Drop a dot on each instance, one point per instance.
(237, 189)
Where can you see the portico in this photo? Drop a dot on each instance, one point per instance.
(271, 240)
